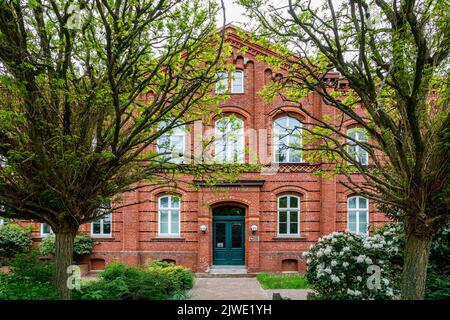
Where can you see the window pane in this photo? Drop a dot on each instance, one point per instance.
(96, 227)
(220, 235)
(164, 202)
(222, 83)
(236, 235)
(363, 222)
(237, 82)
(164, 227)
(362, 156)
(46, 228)
(352, 221)
(293, 216)
(294, 202)
(106, 227)
(362, 202)
(282, 202)
(175, 202)
(283, 228)
(283, 216)
(174, 223)
(294, 228)
(352, 203)
(164, 216)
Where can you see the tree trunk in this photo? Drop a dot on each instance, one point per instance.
(415, 267)
(63, 259)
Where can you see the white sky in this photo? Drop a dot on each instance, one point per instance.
(234, 13)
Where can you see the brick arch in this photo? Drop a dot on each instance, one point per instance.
(301, 192)
(291, 111)
(239, 111)
(229, 200)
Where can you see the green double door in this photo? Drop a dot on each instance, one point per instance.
(228, 240)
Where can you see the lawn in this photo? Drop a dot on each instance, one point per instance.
(282, 281)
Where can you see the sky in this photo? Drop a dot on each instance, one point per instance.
(234, 13)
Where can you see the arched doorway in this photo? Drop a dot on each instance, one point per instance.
(228, 235)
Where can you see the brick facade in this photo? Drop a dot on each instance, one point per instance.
(323, 205)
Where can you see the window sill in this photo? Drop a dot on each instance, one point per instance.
(169, 238)
(289, 238)
(102, 237)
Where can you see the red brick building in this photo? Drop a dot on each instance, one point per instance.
(265, 220)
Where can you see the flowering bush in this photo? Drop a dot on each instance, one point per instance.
(82, 244)
(346, 265)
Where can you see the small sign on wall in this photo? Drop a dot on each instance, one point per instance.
(253, 238)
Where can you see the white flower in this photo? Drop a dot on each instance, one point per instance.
(335, 278)
(368, 260)
(308, 261)
(305, 254)
(328, 270)
(319, 253)
(386, 281)
(334, 263)
(359, 278)
(345, 264)
(360, 258)
(389, 292)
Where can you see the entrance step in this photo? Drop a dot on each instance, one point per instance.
(226, 272)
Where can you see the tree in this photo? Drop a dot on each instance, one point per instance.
(84, 87)
(395, 57)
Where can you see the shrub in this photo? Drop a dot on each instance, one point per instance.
(338, 266)
(182, 279)
(121, 282)
(83, 244)
(14, 239)
(28, 279)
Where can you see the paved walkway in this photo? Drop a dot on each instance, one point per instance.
(238, 289)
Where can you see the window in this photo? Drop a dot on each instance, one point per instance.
(102, 226)
(354, 150)
(171, 144)
(46, 230)
(2, 161)
(229, 140)
(237, 83)
(358, 215)
(169, 216)
(288, 215)
(287, 140)
(222, 82)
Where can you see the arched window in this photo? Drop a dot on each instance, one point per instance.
(169, 215)
(237, 83)
(287, 140)
(358, 214)
(354, 150)
(288, 215)
(229, 140)
(222, 82)
(171, 144)
(102, 226)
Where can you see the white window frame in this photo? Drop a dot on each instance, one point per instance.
(101, 220)
(234, 82)
(233, 147)
(169, 210)
(356, 210)
(179, 131)
(46, 234)
(222, 82)
(358, 133)
(276, 139)
(288, 210)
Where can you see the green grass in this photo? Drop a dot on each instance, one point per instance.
(282, 281)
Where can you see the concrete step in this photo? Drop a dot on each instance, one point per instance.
(225, 275)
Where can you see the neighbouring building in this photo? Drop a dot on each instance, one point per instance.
(264, 221)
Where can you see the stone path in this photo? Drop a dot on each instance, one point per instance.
(238, 289)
